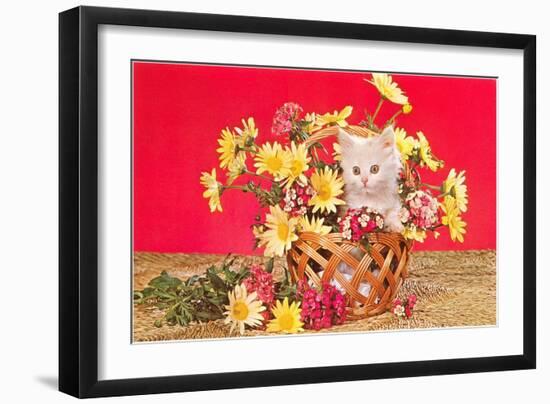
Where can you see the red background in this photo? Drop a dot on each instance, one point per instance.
(180, 109)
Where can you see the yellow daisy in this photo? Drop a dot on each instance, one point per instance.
(311, 127)
(213, 189)
(315, 225)
(248, 132)
(236, 168)
(327, 185)
(228, 149)
(455, 186)
(388, 89)
(298, 163)
(274, 160)
(338, 118)
(243, 309)
(413, 233)
(426, 155)
(452, 219)
(287, 318)
(337, 153)
(280, 233)
(405, 144)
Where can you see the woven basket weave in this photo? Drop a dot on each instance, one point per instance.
(316, 258)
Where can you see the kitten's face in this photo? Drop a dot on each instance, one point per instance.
(370, 165)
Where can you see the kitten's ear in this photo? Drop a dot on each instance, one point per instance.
(388, 137)
(344, 139)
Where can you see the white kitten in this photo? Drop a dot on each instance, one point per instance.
(371, 169)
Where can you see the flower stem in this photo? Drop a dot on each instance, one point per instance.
(258, 175)
(434, 187)
(247, 149)
(444, 194)
(241, 187)
(377, 109)
(226, 187)
(392, 119)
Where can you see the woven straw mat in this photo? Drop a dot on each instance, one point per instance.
(454, 289)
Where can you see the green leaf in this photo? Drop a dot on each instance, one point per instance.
(165, 281)
(192, 280)
(227, 262)
(287, 279)
(217, 282)
(269, 265)
(365, 243)
(199, 298)
(164, 295)
(243, 274)
(148, 292)
(218, 301)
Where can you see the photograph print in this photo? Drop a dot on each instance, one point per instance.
(296, 201)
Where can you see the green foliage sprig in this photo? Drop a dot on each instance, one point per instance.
(199, 298)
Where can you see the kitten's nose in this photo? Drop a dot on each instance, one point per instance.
(365, 180)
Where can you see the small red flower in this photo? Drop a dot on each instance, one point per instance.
(357, 223)
(321, 308)
(296, 198)
(261, 282)
(284, 117)
(412, 301)
(404, 308)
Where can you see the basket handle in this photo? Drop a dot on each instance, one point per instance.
(333, 131)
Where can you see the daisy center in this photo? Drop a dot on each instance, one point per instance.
(324, 192)
(388, 92)
(240, 311)
(286, 321)
(297, 168)
(213, 186)
(282, 231)
(274, 163)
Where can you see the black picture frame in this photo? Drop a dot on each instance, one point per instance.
(78, 200)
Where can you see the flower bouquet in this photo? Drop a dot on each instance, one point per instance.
(302, 216)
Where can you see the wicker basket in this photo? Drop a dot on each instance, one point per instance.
(316, 258)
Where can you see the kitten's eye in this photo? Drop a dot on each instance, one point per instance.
(374, 168)
(356, 170)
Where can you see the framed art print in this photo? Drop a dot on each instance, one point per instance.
(249, 201)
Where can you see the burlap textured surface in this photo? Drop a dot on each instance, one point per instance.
(454, 289)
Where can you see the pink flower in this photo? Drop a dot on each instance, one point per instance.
(322, 308)
(296, 198)
(284, 118)
(404, 309)
(399, 310)
(412, 300)
(357, 223)
(261, 282)
(422, 210)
